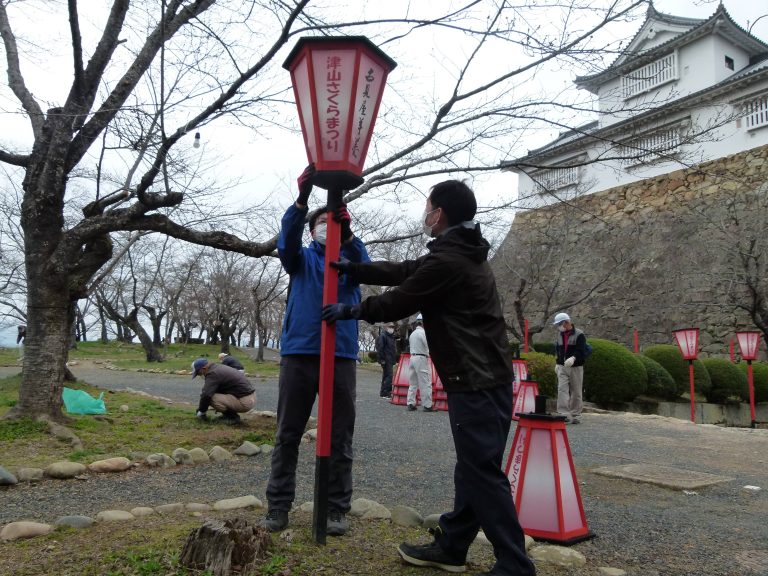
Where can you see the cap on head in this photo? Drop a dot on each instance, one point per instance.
(222, 355)
(197, 365)
(561, 317)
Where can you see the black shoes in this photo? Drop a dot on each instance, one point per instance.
(411, 408)
(230, 418)
(337, 525)
(430, 555)
(275, 520)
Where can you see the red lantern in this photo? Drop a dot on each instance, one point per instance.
(748, 342)
(525, 401)
(338, 83)
(688, 341)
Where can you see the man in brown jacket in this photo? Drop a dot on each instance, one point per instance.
(226, 390)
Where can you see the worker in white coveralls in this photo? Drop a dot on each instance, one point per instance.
(419, 377)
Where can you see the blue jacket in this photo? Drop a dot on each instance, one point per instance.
(305, 266)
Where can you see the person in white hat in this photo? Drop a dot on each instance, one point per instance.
(231, 361)
(570, 350)
(419, 377)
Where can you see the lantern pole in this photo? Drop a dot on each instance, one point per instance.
(748, 343)
(636, 341)
(525, 337)
(325, 388)
(693, 402)
(750, 378)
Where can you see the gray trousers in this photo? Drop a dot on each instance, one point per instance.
(570, 382)
(298, 388)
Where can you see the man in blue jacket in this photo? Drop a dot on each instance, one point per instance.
(300, 361)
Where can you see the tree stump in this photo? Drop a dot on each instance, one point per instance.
(230, 547)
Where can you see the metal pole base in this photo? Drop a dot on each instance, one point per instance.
(320, 508)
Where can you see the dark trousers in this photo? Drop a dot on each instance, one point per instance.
(480, 422)
(386, 379)
(299, 380)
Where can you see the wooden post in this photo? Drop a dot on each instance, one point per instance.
(233, 546)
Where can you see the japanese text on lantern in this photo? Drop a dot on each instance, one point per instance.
(333, 87)
(517, 461)
(363, 111)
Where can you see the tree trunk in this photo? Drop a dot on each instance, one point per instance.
(233, 546)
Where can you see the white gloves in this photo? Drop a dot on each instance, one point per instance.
(569, 362)
(201, 415)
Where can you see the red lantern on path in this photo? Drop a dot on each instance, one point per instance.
(688, 341)
(543, 481)
(338, 83)
(748, 342)
(526, 398)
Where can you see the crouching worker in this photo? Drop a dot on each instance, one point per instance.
(226, 390)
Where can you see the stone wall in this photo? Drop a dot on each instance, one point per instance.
(655, 255)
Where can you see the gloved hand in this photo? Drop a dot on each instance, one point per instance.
(201, 415)
(334, 312)
(344, 267)
(305, 184)
(341, 215)
(569, 362)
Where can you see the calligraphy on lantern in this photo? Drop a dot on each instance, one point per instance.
(333, 89)
(362, 111)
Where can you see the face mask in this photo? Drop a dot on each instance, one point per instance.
(426, 228)
(561, 328)
(390, 330)
(320, 231)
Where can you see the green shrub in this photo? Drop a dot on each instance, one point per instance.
(515, 348)
(612, 373)
(660, 382)
(541, 369)
(727, 380)
(670, 357)
(759, 380)
(545, 348)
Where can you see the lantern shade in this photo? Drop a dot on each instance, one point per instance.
(525, 399)
(338, 83)
(748, 342)
(688, 341)
(520, 368)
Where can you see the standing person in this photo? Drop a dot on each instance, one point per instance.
(570, 349)
(300, 361)
(231, 361)
(455, 289)
(226, 390)
(419, 377)
(386, 349)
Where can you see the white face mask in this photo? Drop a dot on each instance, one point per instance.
(561, 328)
(320, 232)
(426, 228)
(390, 330)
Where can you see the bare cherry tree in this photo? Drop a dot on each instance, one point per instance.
(156, 72)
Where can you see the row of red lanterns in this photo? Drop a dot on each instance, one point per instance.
(688, 341)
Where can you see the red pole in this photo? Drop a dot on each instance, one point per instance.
(693, 403)
(525, 337)
(636, 341)
(327, 357)
(751, 393)
(733, 356)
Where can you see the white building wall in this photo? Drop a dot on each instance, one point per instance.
(726, 134)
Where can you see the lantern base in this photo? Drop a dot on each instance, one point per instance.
(569, 542)
(337, 180)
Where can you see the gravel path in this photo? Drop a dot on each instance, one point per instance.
(406, 457)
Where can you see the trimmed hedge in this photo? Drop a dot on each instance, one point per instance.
(541, 369)
(545, 348)
(670, 357)
(727, 380)
(612, 373)
(660, 382)
(759, 379)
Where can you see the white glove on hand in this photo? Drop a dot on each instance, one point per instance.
(569, 362)
(201, 415)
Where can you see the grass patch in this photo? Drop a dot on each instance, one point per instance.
(148, 426)
(152, 545)
(132, 357)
